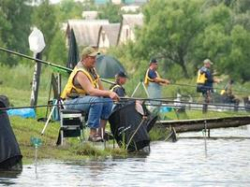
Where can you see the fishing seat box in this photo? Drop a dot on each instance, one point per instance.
(71, 123)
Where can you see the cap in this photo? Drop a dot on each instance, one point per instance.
(121, 74)
(89, 51)
(153, 60)
(207, 61)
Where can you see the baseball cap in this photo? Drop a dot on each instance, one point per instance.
(153, 60)
(121, 74)
(207, 61)
(89, 51)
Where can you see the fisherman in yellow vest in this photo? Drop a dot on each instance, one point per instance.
(205, 82)
(228, 96)
(120, 80)
(153, 81)
(85, 92)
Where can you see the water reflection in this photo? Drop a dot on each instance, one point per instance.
(6, 177)
(169, 164)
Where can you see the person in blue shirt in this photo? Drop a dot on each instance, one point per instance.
(205, 82)
(153, 81)
(120, 80)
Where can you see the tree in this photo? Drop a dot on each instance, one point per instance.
(44, 19)
(169, 30)
(69, 9)
(111, 12)
(213, 42)
(58, 51)
(226, 42)
(237, 63)
(14, 27)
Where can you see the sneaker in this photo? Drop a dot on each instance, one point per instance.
(95, 139)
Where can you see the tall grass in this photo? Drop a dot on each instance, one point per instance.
(16, 83)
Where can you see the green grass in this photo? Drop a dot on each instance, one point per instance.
(15, 84)
(197, 114)
(157, 134)
(73, 148)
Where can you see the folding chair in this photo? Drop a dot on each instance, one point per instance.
(72, 124)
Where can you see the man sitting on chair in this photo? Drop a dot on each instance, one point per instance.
(85, 92)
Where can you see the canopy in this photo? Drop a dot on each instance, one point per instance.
(108, 66)
(73, 51)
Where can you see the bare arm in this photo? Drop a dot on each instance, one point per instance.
(88, 87)
(100, 84)
(161, 81)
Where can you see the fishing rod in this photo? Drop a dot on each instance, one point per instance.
(209, 87)
(158, 103)
(58, 67)
(68, 70)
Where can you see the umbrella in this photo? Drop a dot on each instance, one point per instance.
(73, 51)
(107, 66)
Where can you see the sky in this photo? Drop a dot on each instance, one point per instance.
(55, 1)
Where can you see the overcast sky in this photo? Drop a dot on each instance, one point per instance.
(55, 1)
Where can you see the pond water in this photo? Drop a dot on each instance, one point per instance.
(169, 164)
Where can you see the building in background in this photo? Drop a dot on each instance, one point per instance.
(86, 31)
(130, 8)
(128, 26)
(90, 15)
(108, 36)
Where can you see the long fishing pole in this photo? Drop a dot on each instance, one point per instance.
(63, 68)
(35, 59)
(169, 103)
(209, 87)
(68, 70)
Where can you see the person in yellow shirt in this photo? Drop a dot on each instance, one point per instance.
(84, 92)
(205, 82)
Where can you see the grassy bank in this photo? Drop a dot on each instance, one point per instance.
(73, 148)
(15, 84)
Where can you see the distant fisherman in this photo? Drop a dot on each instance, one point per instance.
(205, 82)
(153, 81)
(120, 80)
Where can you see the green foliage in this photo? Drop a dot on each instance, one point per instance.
(169, 31)
(20, 76)
(44, 19)
(181, 34)
(14, 27)
(238, 60)
(111, 12)
(68, 9)
(58, 52)
(157, 134)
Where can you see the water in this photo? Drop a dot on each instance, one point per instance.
(169, 164)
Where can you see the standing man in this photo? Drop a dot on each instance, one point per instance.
(205, 82)
(153, 81)
(85, 92)
(120, 80)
